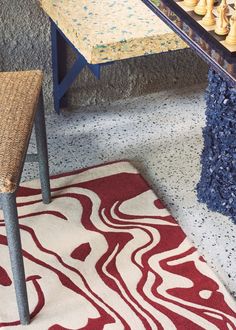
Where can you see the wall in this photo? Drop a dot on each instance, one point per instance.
(25, 44)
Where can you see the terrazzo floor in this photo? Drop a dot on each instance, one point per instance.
(161, 135)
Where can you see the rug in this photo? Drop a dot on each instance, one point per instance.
(106, 254)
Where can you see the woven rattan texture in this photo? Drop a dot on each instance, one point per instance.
(19, 93)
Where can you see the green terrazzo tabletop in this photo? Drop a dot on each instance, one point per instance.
(110, 30)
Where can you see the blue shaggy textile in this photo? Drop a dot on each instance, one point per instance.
(217, 186)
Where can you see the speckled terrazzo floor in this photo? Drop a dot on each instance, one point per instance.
(161, 135)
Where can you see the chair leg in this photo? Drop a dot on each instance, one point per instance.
(14, 245)
(41, 141)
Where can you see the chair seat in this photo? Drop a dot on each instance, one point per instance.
(19, 94)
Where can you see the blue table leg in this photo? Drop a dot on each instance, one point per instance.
(217, 186)
(55, 39)
(62, 80)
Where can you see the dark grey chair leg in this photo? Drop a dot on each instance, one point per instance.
(14, 245)
(41, 141)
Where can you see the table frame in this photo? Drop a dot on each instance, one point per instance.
(62, 80)
(220, 61)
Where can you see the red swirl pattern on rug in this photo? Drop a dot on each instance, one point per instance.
(106, 254)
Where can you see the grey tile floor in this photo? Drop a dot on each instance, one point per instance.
(161, 135)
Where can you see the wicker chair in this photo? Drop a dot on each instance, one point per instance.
(21, 106)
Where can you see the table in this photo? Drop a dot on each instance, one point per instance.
(127, 28)
(217, 186)
(101, 32)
